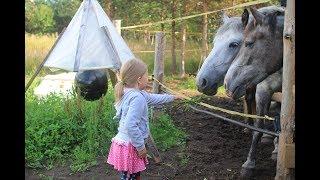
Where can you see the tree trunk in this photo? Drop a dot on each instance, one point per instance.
(183, 41)
(109, 8)
(286, 152)
(173, 30)
(204, 32)
(162, 13)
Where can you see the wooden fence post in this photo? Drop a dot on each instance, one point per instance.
(158, 73)
(117, 24)
(286, 153)
(158, 70)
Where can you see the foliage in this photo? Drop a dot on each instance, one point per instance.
(36, 49)
(64, 10)
(58, 13)
(59, 131)
(165, 134)
(39, 18)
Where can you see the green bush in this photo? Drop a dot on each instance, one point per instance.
(39, 18)
(64, 10)
(59, 131)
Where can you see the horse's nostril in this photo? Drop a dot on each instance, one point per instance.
(204, 83)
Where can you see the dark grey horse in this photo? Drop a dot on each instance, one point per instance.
(226, 45)
(258, 64)
(259, 56)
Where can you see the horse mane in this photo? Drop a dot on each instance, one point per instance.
(270, 20)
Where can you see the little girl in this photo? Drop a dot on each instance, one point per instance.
(128, 151)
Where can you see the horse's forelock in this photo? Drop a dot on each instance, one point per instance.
(272, 20)
(233, 24)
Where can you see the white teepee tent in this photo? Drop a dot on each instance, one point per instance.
(90, 41)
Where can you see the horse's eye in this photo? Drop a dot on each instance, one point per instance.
(249, 44)
(233, 45)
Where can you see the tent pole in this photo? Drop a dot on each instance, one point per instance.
(45, 59)
(114, 75)
(112, 44)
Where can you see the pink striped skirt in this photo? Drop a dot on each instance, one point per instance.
(124, 157)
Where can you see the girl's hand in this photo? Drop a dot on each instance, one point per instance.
(178, 97)
(142, 153)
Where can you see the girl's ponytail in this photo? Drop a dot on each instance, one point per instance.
(118, 91)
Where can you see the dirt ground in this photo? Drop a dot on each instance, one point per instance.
(214, 150)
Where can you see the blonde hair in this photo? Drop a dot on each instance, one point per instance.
(129, 74)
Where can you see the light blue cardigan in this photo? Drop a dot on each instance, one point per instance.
(132, 111)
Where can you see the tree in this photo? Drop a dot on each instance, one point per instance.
(64, 10)
(205, 30)
(173, 35)
(108, 7)
(183, 39)
(39, 18)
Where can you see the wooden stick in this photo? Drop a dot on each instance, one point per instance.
(153, 149)
(45, 59)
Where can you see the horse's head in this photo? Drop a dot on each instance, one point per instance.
(260, 53)
(226, 45)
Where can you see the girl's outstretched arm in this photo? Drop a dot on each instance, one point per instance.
(157, 99)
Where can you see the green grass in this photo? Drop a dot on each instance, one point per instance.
(187, 82)
(37, 47)
(221, 91)
(58, 132)
(183, 158)
(166, 134)
(191, 63)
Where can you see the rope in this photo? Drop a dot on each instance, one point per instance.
(168, 32)
(237, 123)
(166, 51)
(214, 107)
(196, 15)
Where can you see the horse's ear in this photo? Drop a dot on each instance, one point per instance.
(225, 17)
(245, 18)
(258, 17)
